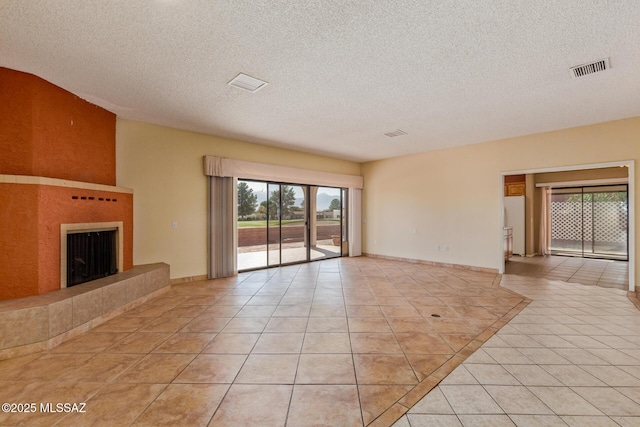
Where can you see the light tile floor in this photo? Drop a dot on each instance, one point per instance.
(600, 272)
(571, 357)
(342, 342)
(348, 342)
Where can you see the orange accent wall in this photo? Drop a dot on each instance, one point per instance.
(30, 232)
(48, 131)
(18, 240)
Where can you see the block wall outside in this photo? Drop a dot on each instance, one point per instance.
(254, 236)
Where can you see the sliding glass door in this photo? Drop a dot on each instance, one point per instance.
(590, 222)
(281, 224)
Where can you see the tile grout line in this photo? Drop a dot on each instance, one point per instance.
(295, 376)
(353, 361)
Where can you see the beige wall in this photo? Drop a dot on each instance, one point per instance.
(164, 167)
(452, 197)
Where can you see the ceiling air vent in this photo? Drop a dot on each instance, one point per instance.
(243, 81)
(592, 67)
(395, 133)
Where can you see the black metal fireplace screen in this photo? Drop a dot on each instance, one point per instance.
(90, 256)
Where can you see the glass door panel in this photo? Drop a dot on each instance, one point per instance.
(609, 219)
(252, 225)
(294, 223)
(274, 225)
(327, 236)
(566, 221)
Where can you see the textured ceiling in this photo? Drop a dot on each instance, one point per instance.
(340, 73)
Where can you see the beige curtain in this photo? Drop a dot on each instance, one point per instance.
(221, 242)
(545, 220)
(355, 222)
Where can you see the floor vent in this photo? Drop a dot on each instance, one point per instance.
(592, 67)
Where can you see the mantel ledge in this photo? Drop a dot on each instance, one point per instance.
(55, 182)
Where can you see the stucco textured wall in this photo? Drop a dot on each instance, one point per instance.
(47, 131)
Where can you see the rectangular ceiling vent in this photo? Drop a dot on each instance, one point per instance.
(395, 133)
(593, 67)
(243, 81)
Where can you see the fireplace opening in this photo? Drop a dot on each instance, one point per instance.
(91, 255)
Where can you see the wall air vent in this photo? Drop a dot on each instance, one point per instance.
(592, 67)
(243, 81)
(395, 133)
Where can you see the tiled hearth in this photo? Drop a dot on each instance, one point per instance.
(44, 321)
(348, 342)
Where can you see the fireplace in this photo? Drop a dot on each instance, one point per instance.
(90, 256)
(89, 251)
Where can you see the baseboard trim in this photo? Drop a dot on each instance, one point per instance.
(633, 297)
(188, 279)
(434, 263)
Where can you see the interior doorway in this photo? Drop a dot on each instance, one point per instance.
(535, 219)
(284, 223)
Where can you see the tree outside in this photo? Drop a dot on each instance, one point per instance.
(613, 196)
(334, 205)
(247, 201)
(269, 206)
(262, 210)
(288, 200)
